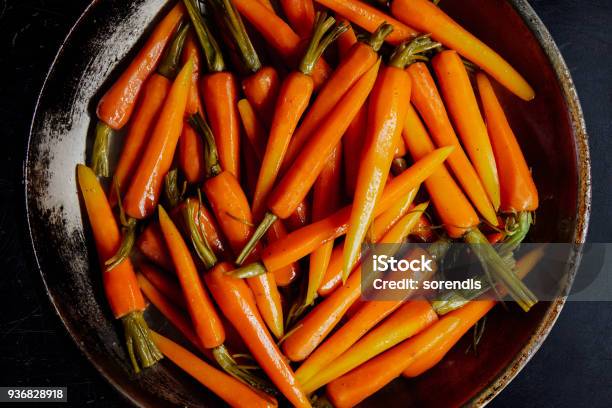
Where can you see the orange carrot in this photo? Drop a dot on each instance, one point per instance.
(326, 199)
(428, 102)
(293, 98)
(346, 40)
(369, 18)
(362, 56)
(300, 217)
(232, 391)
(370, 377)
(261, 90)
(280, 36)
(115, 107)
(294, 186)
(301, 15)
(120, 283)
(206, 322)
(518, 191)
(152, 245)
(461, 102)
(144, 189)
(253, 128)
(237, 303)
(353, 141)
(164, 284)
(427, 17)
(404, 323)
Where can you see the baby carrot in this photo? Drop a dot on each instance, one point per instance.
(427, 17)
(237, 304)
(428, 102)
(368, 18)
(164, 284)
(220, 94)
(325, 200)
(301, 15)
(232, 391)
(300, 177)
(358, 384)
(117, 104)
(120, 283)
(353, 141)
(361, 57)
(206, 322)
(461, 102)
(280, 36)
(152, 245)
(386, 114)
(411, 318)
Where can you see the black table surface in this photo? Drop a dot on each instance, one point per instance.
(573, 367)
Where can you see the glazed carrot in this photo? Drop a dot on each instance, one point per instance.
(117, 104)
(461, 102)
(230, 390)
(381, 225)
(298, 180)
(190, 50)
(261, 90)
(203, 221)
(231, 208)
(172, 313)
(300, 217)
(301, 15)
(453, 208)
(283, 276)
(427, 17)
(280, 36)
(362, 56)
(428, 102)
(237, 303)
(293, 99)
(326, 199)
(220, 94)
(353, 141)
(368, 316)
(206, 322)
(152, 245)
(369, 18)
(305, 240)
(145, 187)
(163, 283)
(518, 191)
(410, 319)
(346, 40)
(120, 284)
(354, 387)
(387, 108)
(253, 128)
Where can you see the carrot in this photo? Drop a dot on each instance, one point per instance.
(427, 17)
(120, 283)
(326, 199)
(231, 208)
(190, 50)
(220, 94)
(293, 98)
(353, 141)
(428, 102)
(206, 322)
(355, 386)
(230, 390)
(411, 318)
(152, 245)
(237, 303)
(196, 216)
(145, 187)
(280, 36)
(261, 90)
(305, 240)
(115, 107)
(294, 185)
(368, 18)
(368, 316)
(283, 276)
(386, 114)
(300, 217)
(461, 102)
(301, 15)
(168, 287)
(361, 58)
(346, 40)
(518, 191)
(318, 323)
(453, 208)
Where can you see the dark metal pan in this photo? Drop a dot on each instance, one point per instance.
(551, 128)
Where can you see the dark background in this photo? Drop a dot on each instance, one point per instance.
(573, 367)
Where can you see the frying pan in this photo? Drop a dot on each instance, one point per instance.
(551, 129)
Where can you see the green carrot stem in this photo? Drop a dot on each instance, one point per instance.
(100, 152)
(229, 365)
(169, 65)
(519, 226)
(211, 155)
(198, 239)
(262, 228)
(127, 243)
(210, 47)
(410, 52)
(377, 38)
(141, 349)
(249, 271)
(321, 38)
